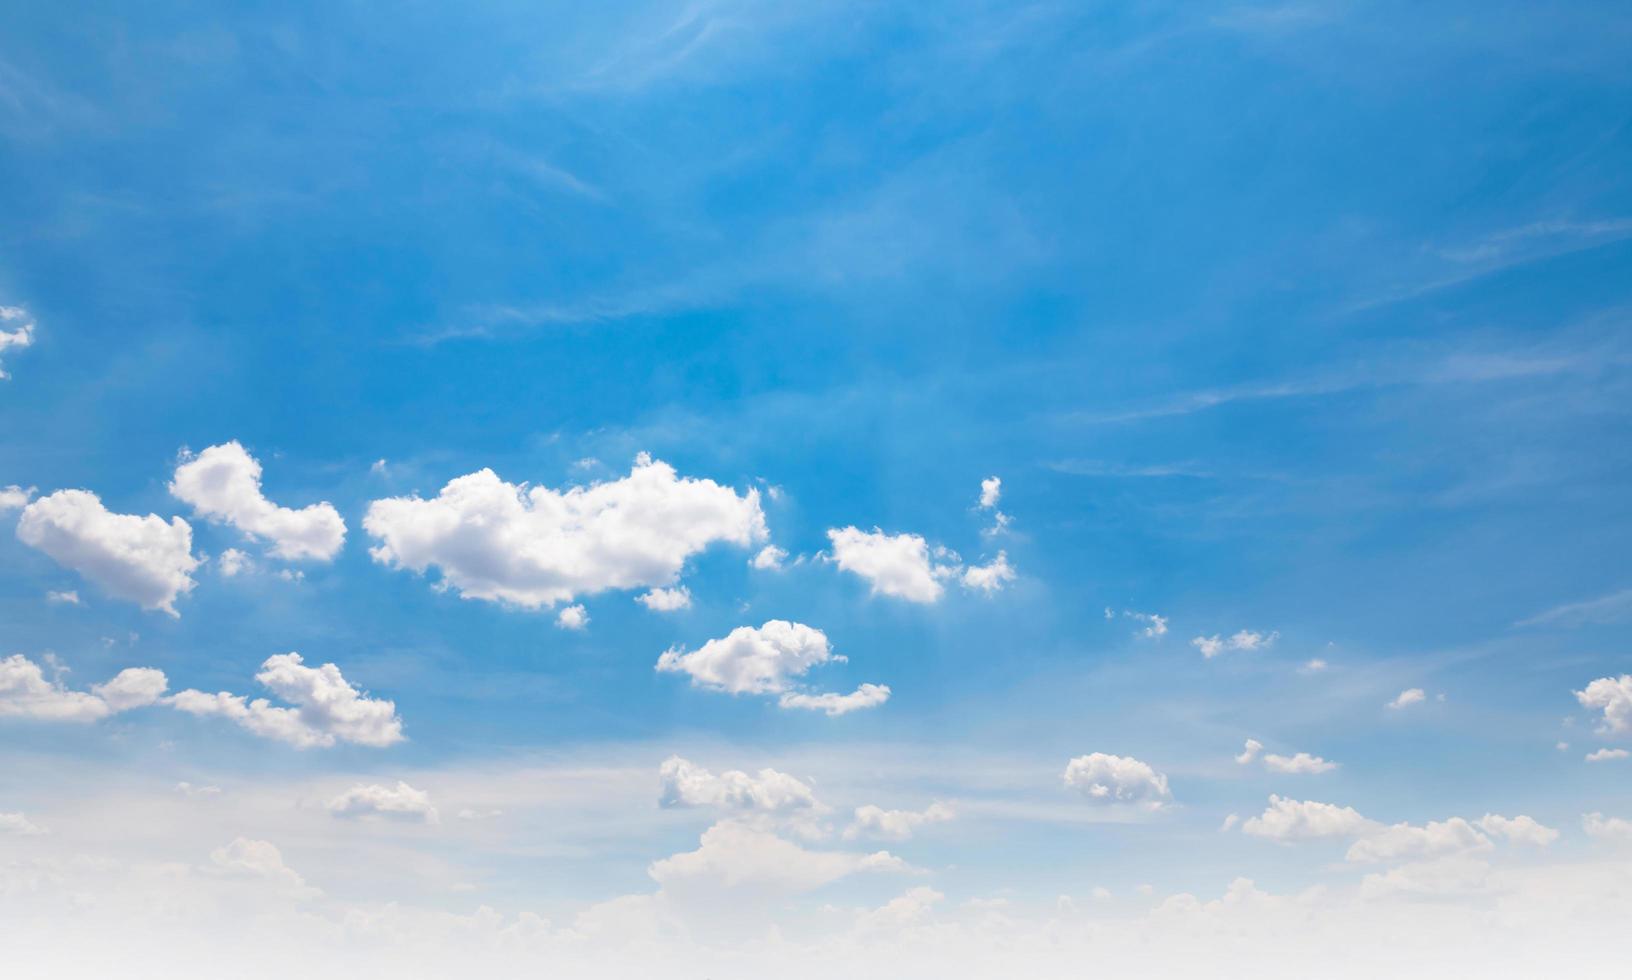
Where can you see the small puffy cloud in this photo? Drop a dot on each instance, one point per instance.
(572, 618)
(1407, 698)
(399, 802)
(16, 332)
(896, 565)
(872, 821)
(1212, 646)
(233, 563)
(26, 693)
(1301, 763)
(1110, 779)
(1607, 828)
(685, 784)
(223, 484)
(832, 704)
(67, 598)
(1250, 751)
(140, 559)
(666, 600)
(327, 708)
(769, 558)
(1607, 755)
(14, 497)
(734, 854)
(17, 823)
(991, 491)
(1613, 696)
(766, 660)
(535, 547)
(992, 576)
(1286, 819)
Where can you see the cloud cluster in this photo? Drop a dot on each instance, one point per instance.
(1110, 779)
(140, 559)
(1212, 646)
(399, 802)
(767, 660)
(906, 567)
(327, 708)
(223, 484)
(1297, 764)
(535, 547)
(666, 600)
(25, 692)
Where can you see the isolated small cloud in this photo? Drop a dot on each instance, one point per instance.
(223, 484)
(1111, 779)
(572, 618)
(991, 491)
(767, 660)
(16, 333)
(66, 598)
(833, 705)
(139, 559)
(769, 558)
(1407, 698)
(1212, 646)
(14, 497)
(1607, 755)
(1287, 819)
(327, 709)
(1250, 751)
(1298, 764)
(990, 577)
(399, 802)
(666, 600)
(897, 565)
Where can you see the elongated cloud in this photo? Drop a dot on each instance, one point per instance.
(768, 660)
(1305, 820)
(1212, 646)
(1109, 779)
(685, 784)
(25, 692)
(327, 709)
(223, 484)
(873, 821)
(833, 705)
(399, 802)
(536, 547)
(733, 854)
(139, 559)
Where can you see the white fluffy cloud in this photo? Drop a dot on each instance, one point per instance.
(1301, 763)
(666, 600)
(26, 693)
(16, 331)
(140, 559)
(223, 484)
(769, 558)
(1607, 755)
(1607, 828)
(1613, 696)
(327, 708)
(572, 617)
(15, 497)
(399, 802)
(1108, 779)
(872, 821)
(1304, 820)
(685, 784)
(17, 823)
(990, 577)
(832, 704)
(1407, 698)
(1250, 751)
(735, 854)
(991, 491)
(894, 564)
(1212, 646)
(1440, 838)
(766, 660)
(536, 546)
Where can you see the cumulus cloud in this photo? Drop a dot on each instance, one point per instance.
(327, 708)
(233, 563)
(896, 565)
(1110, 779)
(16, 332)
(873, 821)
(991, 491)
(1250, 751)
(685, 784)
(735, 854)
(766, 660)
(14, 497)
(139, 559)
(399, 802)
(536, 546)
(1212, 646)
(1407, 698)
(1613, 696)
(223, 484)
(25, 692)
(1607, 755)
(1607, 828)
(248, 858)
(1439, 838)
(1301, 763)
(17, 823)
(833, 705)
(990, 577)
(1286, 819)
(769, 558)
(572, 618)
(666, 600)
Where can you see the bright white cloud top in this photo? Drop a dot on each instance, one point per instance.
(327, 708)
(1113, 779)
(144, 560)
(535, 546)
(895, 565)
(25, 692)
(399, 802)
(223, 484)
(16, 332)
(769, 659)
(666, 600)
(14, 497)
(684, 784)
(1612, 696)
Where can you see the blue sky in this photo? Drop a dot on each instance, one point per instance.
(1307, 320)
